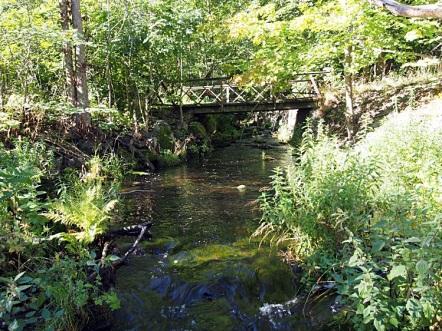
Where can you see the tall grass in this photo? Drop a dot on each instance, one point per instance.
(369, 218)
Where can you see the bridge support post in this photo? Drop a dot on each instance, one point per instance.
(290, 120)
(287, 125)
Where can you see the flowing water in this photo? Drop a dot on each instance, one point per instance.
(201, 271)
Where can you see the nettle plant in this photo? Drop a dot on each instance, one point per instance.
(53, 298)
(21, 170)
(369, 218)
(393, 278)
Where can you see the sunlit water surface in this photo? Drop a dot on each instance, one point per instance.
(201, 271)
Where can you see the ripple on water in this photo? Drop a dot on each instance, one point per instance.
(201, 272)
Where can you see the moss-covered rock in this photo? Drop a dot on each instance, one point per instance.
(199, 256)
(198, 130)
(164, 135)
(275, 277)
(259, 272)
(165, 159)
(222, 139)
(161, 244)
(214, 315)
(211, 124)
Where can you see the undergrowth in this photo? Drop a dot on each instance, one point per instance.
(45, 237)
(368, 218)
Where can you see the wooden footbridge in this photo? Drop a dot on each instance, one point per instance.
(223, 95)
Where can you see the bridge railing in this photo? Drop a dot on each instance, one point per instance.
(222, 91)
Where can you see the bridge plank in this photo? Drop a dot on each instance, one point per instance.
(301, 104)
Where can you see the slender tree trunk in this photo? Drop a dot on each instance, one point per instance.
(2, 88)
(80, 52)
(181, 91)
(108, 54)
(348, 78)
(67, 53)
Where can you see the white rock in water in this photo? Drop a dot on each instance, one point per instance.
(241, 188)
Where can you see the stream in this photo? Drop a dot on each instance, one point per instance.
(202, 271)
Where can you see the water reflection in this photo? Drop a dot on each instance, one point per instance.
(201, 272)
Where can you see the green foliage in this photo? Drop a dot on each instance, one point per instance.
(166, 159)
(7, 122)
(369, 218)
(198, 130)
(85, 205)
(210, 124)
(290, 37)
(111, 120)
(226, 131)
(164, 134)
(55, 293)
(56, 297)
(21, 170)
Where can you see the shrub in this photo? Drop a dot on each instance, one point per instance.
(197, 129)
(210, 123)
(21, 170)
(56, 297)
(55, 293)
(368, 217)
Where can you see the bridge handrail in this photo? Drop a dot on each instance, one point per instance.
(223, 90)
(229, 78)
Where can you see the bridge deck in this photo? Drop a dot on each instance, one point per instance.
(246, 107)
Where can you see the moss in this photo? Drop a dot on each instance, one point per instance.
(225, 138)
(256, 269)
(210, 253)
(166, 159)
(214, 315)
(210, 123)
(164, 134)
(198, 130)
(276, 277)
(167, 243)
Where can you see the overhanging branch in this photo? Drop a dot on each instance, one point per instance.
(423, 11)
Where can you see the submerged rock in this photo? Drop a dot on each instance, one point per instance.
(241, 188)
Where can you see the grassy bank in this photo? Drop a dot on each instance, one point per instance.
(368, 219)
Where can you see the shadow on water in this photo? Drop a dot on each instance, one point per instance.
(202, 271)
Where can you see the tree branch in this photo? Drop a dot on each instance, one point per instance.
(119, 262)
(399, 9)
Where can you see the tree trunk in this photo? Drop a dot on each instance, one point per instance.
(80, 52)
(1, 88)
(348, 78)
(67, 53)
(423, 11)
(108, 55)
